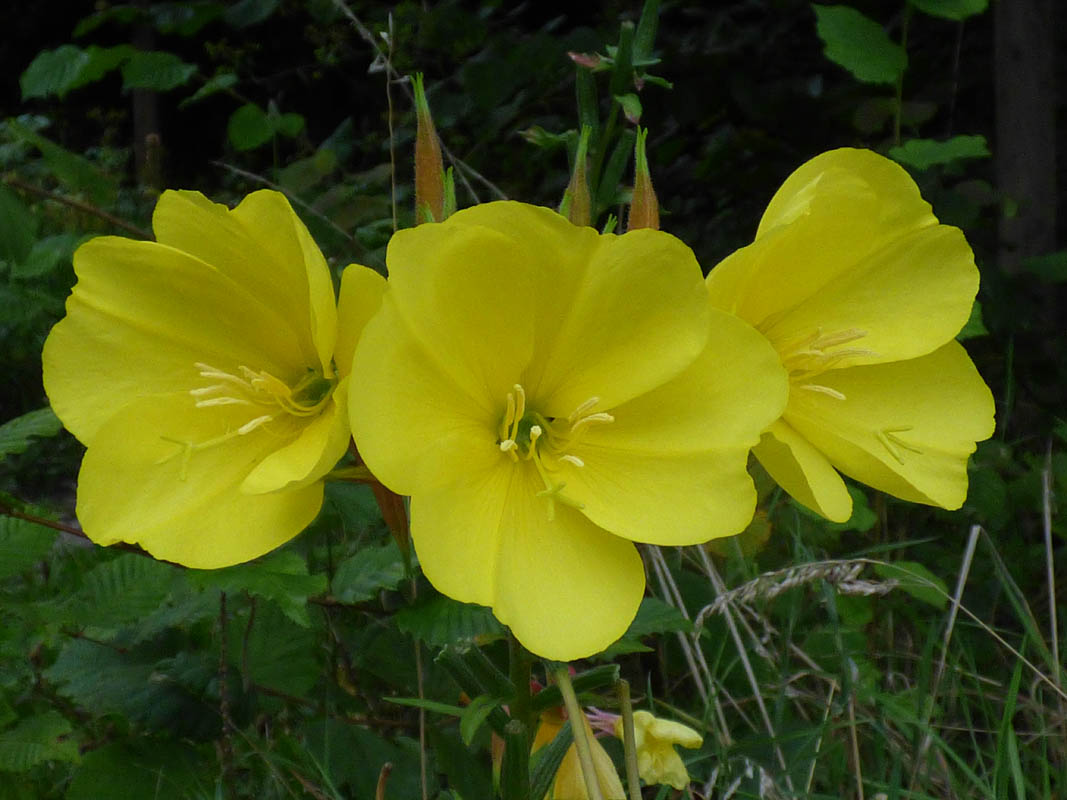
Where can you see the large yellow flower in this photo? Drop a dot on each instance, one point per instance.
(569, 783)
(548, 396)
(861, 291)
(199, 370)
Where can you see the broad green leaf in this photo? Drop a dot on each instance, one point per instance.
(18, 227)
(250, 12)
(916, 580)
(47, 254)
(474, 716)
(631, 106)
(22, 544)
(655, 616)
(926, 153)
(369, 571)
(35, 740)
(148, 768)
(859, 44)
(121, 590)
(184, 19)
(289, 124)
(951, 9)
(74, 171)
(1051, 267)
(273, 651)
(281, 577)
(442, 620)
(15, 434)
(56, 72)
(155, 70)
(249, 127)
(974, 326)
(216, 83)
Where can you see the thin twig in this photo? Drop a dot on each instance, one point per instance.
(12, 179)
(1050, 573)
(392, 136)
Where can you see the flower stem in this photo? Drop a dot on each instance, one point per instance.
(629, 741)
(519, 663)
(580, 731)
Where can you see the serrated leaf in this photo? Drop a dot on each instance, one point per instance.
(369, 571)
(22, 544)
(155, 70)
(474, 716)
(121, 590)
(916, 580)
(15, 434)
(74, 171)
(36, 740)
(926, 153)
(281, 577)
(951, 9)
(441, 621)
(216, 83)
(859, 44)
(53, 71)
(149, 769)
(249, 127)
(18, 227)
(276, 652)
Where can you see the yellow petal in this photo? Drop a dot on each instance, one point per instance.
(566, 588)
(415, 428)
(314, 452)
(804, 472)
(136, 485)
(264, 246)
(672, 467)
(667, 730)
(847, 245)
(140, 317)
(359, 299)
(906, 428)
(570, 784)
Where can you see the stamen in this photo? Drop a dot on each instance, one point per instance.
(893, 443)
(572, 460)
(815, 387)
(222, 401)
(251, 425)
(586, 406)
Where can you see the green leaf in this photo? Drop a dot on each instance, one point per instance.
(250, 12)
(441, 620)
(428, 705)
(951, 9)
(121, 590)
(275, 652)
(631, 106)
(249, 127)
(15, 434)
(655, 616)
(926, 153)
(916, 580)
(47, 254)
(369, 571)
(289, 124)
(74, 171)
(1050, 268)
(53, 72)
(974, 327)
(18, 227)
(155, 70)
(216, 83)
(474, 716)
(22, 544)
(859, 44)
(148, 769)
(281, 577)
(36, 740)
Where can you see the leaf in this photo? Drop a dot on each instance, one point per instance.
(47, 254)
(249, 127)
(155, 70)
(859, 44)
(441, 621)
(149, 769)
(951, 9)
(74, 171)
(631, 106)
(250, 12)
(474, 716)
(18, 227)
(36, 740)
(216, 83)
(281, 577)
(916, 580)
(22, 544)
(15, 434)
(655, 616)
(974, 326)
(121, 590)
(275, 652)
(369, 571)
(926, 153)
(69, 67)
(1050, 268)
(289, 124)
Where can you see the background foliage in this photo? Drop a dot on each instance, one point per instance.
(909, 652)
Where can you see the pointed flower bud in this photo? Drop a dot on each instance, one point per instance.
(577, 205)
(644, 207)
(429, 169)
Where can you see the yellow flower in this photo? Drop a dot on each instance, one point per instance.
(199, 370)
(861, 291)
(654, 738)
(569, 783)
(547, 396)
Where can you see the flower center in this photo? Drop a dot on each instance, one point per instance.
(806, 357)
(526, 435)
(267, 397)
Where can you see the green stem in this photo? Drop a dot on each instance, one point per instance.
(900, 80)
(581, 733)
(629, 740)
(519, 663)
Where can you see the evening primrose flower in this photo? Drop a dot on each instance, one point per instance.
(861, 291)
(569, 783)
(655, 738)
(548, 396)
(206, 373)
